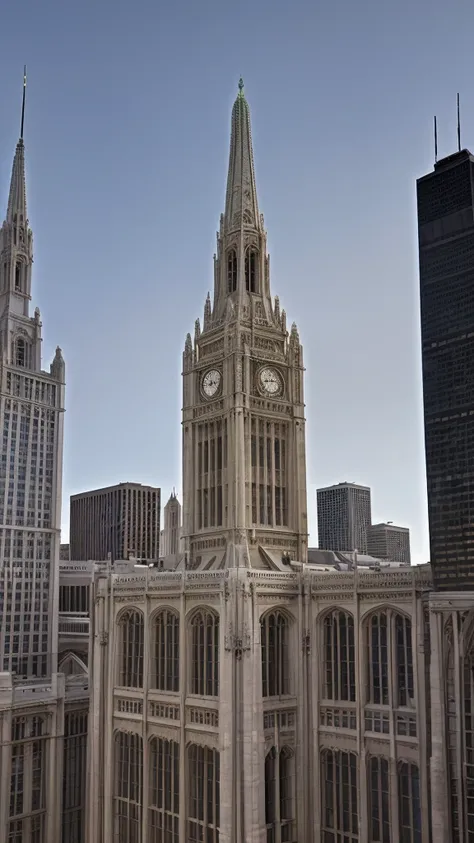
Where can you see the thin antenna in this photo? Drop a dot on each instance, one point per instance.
(436, 139)
(23, 104)
(459, 126)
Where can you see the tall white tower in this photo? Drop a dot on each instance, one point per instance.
(31, 418)
(244, 472)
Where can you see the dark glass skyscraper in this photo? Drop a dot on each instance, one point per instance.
(446, 253)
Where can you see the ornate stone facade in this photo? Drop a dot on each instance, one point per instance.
(317, 679)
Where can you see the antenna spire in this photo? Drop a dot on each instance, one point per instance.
(436, 139)
(23, 104)
(459, 126)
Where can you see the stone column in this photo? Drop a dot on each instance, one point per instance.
(439, 770)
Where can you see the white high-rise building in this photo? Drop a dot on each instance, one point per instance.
(31, 417)
(344, 514)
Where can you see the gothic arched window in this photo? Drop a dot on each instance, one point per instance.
(339, 805)
(131, 641)
(231, 271)
(279, 794)
(251, 270)
(163, 810)
(339, 662)
(204, 794)
(128, 787)
(409, 804)
(165, 670)
(379, 800)
(388, 636)
(274, 634)
(21, 352)
(205, 654)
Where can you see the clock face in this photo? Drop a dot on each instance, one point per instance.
(269, 381)
(211, 383)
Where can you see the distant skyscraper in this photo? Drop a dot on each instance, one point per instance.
(171, 532)
(387, 541)
(344, 513)
(446, 253)
(122, 521)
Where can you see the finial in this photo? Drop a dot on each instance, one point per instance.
(241, 87)
(23, 104)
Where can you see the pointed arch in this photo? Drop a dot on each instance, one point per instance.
(275, 639)
(131, 635)
(165, 650)
(251, 270)
(72, 665)
(21, 352)
(388, 638)
(203, 625)
(338, 664)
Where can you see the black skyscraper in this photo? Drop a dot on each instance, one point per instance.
(446, 252)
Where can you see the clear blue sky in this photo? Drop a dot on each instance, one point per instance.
(127, 133)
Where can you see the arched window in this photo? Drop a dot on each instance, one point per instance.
(231, 271)
(18, 276)
(21, 352)
(131, 639)
(165, 669)
(339, 663)
(388, 636)
(128, 787)
(205, 654)
(409, 803)
(163, 812)
(274, 635)
(404, 660)
(379, 801)
(204, 794)
(251, 270)
(279, 795)
(339, 788)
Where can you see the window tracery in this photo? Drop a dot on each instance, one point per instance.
(205, 653)
(279, 795)
(163, 811)
(339, 656)
(204, 794)
(165, 669)
(389, 652)
(131, 645)
(231, 271)
(409, 803)
(274, 634)
(128, 787)
(251, 270)
(339, 803)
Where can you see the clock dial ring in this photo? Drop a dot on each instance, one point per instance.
(270, 382)
(211, 383)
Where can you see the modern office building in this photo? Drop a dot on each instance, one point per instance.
(387, 541)
(31, 413)
(117, 522)
(446, 256)
(344, 513)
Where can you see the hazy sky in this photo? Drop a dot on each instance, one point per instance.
(127, 133)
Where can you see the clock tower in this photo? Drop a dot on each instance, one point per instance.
(244, 461)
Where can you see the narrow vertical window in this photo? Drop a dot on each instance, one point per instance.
(128, 790)
(339, 663)
(204, 795)
(131, 642)
(231, 271)
(404, 660)
(409, 803)
(251, 271)
(339, 802)
(21, 352)
(274, 632)
(18, 274)
(378, 661)
(205, 654)
(163, 811)
(379, 802)
(165, 673)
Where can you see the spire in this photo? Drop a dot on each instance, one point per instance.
(17, 196)
(241, 196)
